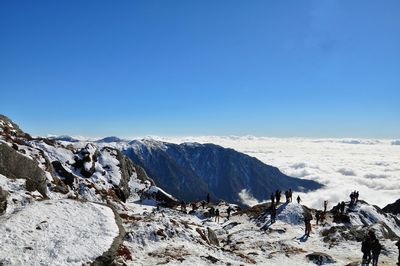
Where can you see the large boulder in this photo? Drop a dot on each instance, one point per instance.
(16, 165)
(320, 258)
(85, 160)
(212, 237)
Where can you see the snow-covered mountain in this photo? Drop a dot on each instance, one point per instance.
(86, 203)
(191, 170)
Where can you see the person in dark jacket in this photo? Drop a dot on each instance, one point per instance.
(317, 216)
(376, 248)
(228, 211)
(208, 198)
(273, 213)
(217, 215)
(366, 250)
(298, 199)
(272, 198)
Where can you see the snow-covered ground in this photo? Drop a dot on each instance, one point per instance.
(169, 236)
(343, 165)
(56, 232)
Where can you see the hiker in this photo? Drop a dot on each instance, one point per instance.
(272, 198)
(317, 216)
(366, 250)
(273, 214)
(398, 246)
(211, 211)
(342, 205)
(228, 211)
(351, 197)
(322, 217)
(287, 196)
(203, 204)
(208, 198)
(217, 215)
(376, 248)
(325, 205)
(307, 223)
(278, 196)
(356, 195)
(298, 199)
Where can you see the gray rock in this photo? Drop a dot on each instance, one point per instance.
(3, 200)
(66, 177)
(127, 170)
(212, 237)
(320, 258)
(16, 165)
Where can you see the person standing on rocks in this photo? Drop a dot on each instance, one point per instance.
(228, 211)
(376, 248)
(298, 199)
(366, 250)
(307, 223)
(287, 196)
(217, 216)
(278, 196)
(317, 216)
(290, 194)
(273, 213)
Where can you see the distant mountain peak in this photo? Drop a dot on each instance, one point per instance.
(110, 139)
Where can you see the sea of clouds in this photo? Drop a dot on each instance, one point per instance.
(341, 165)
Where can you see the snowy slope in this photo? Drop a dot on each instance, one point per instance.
(56, 232)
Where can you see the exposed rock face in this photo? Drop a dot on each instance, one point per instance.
(393, 208)
(3, 200)
(67, 177)
(190, 171)
(10, 129)
(320, 258)
(212, 237)
(16, 165)
(127, 170)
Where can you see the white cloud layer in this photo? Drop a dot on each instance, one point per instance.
(342, 165)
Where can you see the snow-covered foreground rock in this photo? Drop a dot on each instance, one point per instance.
(57, 232)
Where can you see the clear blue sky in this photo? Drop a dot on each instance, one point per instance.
(272, 68)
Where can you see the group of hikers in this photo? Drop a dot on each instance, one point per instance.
(277, 196)
(354, 197)
(213, 212)
(371, 248)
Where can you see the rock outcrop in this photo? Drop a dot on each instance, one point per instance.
(393, 208)
(320, 258)
(16, 165)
